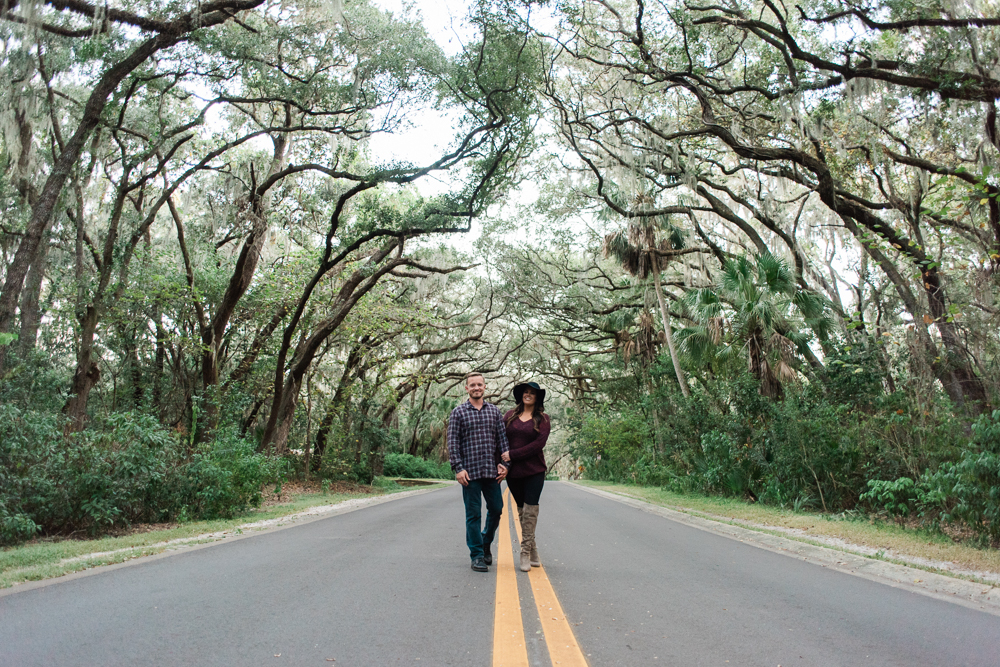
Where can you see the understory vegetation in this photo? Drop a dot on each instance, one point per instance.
(749, 250)
(807, 453)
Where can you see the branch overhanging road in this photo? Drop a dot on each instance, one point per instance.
(390, 584)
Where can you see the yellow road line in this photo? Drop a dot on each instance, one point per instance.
(508, 630)
(559, 637)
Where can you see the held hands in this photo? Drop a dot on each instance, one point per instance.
(462, 477)
(501, 472)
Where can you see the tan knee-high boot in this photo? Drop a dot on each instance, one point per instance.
(528, 519)
(535, 560)
(525, 561)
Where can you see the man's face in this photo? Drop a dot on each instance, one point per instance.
(475, 386)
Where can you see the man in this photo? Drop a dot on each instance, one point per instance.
(477, 440)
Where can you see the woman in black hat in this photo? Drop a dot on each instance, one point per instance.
(527, 432)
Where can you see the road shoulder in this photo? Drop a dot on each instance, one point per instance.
(97, 562)
(979, 596)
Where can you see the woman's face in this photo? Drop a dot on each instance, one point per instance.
(528, 397)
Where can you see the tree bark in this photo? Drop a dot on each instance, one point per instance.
(158, 364)
(668, 334)
(354, 358)
(87, 373)
(30, 308)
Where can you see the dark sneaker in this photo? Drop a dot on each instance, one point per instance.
(487, 555)
(479, 565)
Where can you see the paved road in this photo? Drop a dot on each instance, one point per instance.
(390, 585)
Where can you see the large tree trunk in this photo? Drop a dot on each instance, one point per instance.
(31, 312)
(285, 410)
(414, 446)
(967, 385)
(159, 362)
(354, 358)
(246, 265)
(322, 433)
(86, 376)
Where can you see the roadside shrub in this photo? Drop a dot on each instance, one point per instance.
(613, 446)
(407, 466)
(897, 498)
(124, 469)
(725, 466)
(968, 490)
(813, 454)
(816, 449)
(357, 451)
(226, 476)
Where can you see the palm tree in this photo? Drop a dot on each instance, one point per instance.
(757, 298)
(640, 253)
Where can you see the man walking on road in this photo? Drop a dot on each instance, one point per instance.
(476, 441)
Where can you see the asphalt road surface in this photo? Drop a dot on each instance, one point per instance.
(391, 585)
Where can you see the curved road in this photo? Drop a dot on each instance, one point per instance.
(391, 585)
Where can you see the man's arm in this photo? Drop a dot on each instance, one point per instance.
(455, 447)
(501, 440)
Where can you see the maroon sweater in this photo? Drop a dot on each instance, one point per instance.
(526, 444)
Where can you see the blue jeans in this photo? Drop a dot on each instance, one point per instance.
(473, 495)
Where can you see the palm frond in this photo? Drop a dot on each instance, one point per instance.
(774, 273)
(696, 342)
(619, 246)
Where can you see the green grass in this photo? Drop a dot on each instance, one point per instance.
(862, 531)
(43, 559)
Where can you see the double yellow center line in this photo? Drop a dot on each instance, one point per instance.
(509, 646)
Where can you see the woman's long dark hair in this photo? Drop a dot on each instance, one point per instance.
(537, 415)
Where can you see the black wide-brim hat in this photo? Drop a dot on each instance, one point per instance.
(519, 391)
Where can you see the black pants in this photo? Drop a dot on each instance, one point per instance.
(526, 490)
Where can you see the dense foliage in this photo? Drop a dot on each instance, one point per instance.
(408, 466)
(126, 469)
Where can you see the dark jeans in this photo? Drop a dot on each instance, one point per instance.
(526, 490)
(473, 495)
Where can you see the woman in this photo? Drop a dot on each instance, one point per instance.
(527, 431)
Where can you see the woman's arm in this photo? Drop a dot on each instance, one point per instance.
(534, 447)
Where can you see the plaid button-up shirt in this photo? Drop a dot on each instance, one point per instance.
(476, 439)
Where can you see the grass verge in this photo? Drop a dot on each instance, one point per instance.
(54, 557)
(881, 539)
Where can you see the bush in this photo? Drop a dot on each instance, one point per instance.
(126, 468)
(356, 452)
(818, 448)
(968, 490)
(617, 446)
(965, 491)
(897, 498)
(407, 466)
(226, 476)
